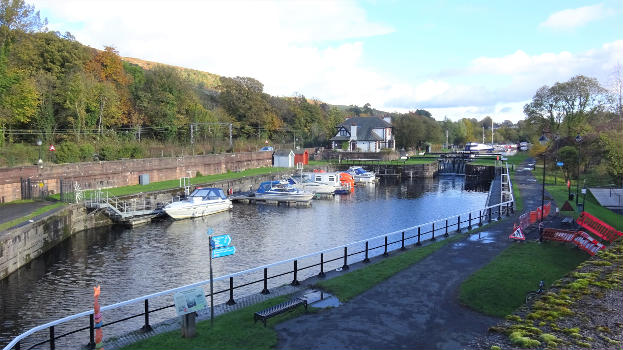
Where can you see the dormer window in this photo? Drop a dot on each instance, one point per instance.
(343, 132)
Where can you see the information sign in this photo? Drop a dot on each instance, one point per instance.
(190, 300)
(220, 241)
(560, 163)
(221, 252)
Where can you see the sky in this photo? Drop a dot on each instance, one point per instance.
(453, 58)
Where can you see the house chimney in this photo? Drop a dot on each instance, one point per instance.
(353, 132)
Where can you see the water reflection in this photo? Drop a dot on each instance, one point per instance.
(133, 262)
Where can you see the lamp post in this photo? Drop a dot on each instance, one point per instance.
(40, 162)
(578, 140)
(543, 141)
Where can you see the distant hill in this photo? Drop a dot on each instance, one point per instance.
(197, 77)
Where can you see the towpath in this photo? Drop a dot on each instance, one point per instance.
(417, 308)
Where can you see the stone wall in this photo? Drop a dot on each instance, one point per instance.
(91, 175)
(20, 245)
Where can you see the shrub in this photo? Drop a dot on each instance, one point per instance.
(108, 152)
(86, 152)
(67, 152)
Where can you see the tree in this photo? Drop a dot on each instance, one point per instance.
(570, 105)
(612, 145)
(16, 15)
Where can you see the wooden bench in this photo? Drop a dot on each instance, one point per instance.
(279, 309)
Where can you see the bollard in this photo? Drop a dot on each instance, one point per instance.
(345, 266)
(469, 227)
(446, 234)
(231, 300)
(385, 252)
(366, 259)
(418, 237)
(265, 290)
(295, 282)
(403, 241)
(480, 218)
(433, 239)
(321, 274)
(189, 325)
(458, 224)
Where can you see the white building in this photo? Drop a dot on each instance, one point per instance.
(365, 134)
(283, 158)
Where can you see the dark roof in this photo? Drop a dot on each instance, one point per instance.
(283, 152)
(365, 125)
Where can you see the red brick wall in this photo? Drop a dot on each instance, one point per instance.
(126, 172)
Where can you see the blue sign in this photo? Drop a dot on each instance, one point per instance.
(220, 241)
(560, 163)
(221, 252)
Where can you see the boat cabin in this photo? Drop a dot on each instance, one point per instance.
(208, 193)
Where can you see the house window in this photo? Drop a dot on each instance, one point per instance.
(331, 179)
(343, 132)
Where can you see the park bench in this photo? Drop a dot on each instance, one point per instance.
(279, 309)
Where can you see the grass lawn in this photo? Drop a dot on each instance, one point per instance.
(170, 184)
(501, 286)
(39, 211)
(233, 330)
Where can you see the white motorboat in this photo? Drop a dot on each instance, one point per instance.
(201, 202)
(307, 184)
(360, 175)
(281, 191)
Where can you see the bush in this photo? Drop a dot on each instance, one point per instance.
(108, 152)
(68, 152)
(86, 152)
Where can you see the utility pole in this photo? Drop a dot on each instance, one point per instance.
(230, 142)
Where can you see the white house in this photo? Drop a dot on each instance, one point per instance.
(366, 134)
(283, 158)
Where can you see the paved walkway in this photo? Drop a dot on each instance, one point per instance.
(418, 308)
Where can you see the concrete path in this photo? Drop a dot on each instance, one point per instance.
(12, 211)
(418, 308)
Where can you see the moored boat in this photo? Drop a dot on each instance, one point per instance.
(360, 175)
(201, 202)
(281, 191)
(306, 184)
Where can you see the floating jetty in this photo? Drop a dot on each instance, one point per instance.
(246, 198)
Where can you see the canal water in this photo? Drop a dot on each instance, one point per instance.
(129, 263)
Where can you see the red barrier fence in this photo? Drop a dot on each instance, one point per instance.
(580, 238)
(598, 227)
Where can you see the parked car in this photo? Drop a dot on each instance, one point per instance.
(267, 149)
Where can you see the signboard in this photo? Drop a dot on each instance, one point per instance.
(190, 300)
(517, 234)
(221, 252)
(52, 148)
(560, 163)
(220, 241)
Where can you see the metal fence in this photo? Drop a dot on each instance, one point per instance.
(262, 278)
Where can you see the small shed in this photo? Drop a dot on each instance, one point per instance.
(283, 158)
(301, 156)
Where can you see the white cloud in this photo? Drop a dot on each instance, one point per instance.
(573, 18)
(316, 49)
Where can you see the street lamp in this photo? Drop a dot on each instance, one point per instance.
(40, 162)
(578, 140)
(543, 141)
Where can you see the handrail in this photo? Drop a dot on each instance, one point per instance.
(197, 284)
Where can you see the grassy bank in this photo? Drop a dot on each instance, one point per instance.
(501, 286)
(39, 211)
